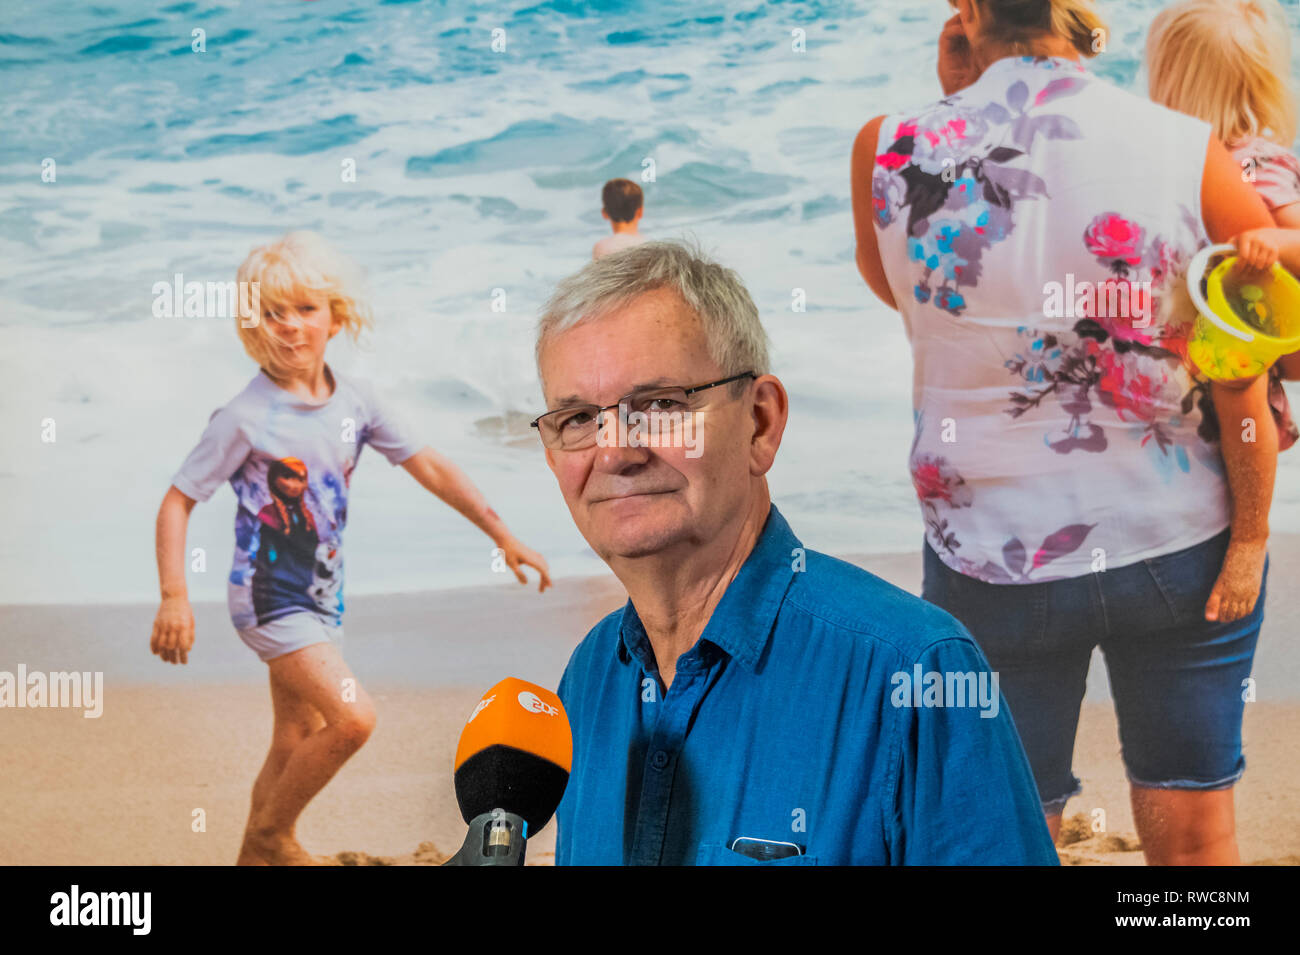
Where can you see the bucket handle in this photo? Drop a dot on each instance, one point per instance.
(1195, 269)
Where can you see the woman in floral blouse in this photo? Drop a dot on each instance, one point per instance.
(1030, 228)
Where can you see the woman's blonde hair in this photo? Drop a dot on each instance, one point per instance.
(1017, 23)
(1227, 62)
(300, 262)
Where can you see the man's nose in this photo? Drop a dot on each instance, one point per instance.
(618, 460)
(613, 455)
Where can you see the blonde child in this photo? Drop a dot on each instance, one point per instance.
(1228, 63)
(288, 444)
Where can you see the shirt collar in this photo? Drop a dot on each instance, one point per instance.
(1062, 65)
(741, 624)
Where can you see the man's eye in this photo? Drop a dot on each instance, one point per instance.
(661, 404)
(573, 420)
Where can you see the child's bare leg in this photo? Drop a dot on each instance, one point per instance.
(295, 720)
(316, 675)
(1248, 440)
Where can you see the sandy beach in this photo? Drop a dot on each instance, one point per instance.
(464, 177)
(179, 746)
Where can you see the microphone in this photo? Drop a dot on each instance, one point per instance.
(512, 764)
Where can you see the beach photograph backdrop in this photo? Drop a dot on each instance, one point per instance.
(455, 151)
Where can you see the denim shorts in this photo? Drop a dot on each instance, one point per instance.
(1178, 681)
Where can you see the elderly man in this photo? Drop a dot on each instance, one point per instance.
(753, 701)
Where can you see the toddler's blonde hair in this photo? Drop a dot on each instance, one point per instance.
(1227, 62)
(283, 270)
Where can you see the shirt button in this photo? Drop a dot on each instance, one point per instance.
(659, 760)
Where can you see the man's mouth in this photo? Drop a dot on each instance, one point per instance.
(628, 494)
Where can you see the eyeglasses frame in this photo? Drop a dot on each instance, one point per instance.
(601, 410)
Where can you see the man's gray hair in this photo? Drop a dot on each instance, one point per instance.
(735, 337)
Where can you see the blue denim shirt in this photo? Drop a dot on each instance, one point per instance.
(793, 720)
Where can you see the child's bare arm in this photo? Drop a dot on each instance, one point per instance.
(450, 484)
(1288, 217)
(1248, 438)
(173, 628)
(1260, 248)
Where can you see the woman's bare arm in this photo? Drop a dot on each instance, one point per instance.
(1248, 436)
(957, 70)
(1229, 204)
(868, 250)
(1248, 439)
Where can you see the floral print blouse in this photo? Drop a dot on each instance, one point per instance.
(1032, 229)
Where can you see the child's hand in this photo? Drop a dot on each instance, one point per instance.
(1237, 588)
(1259, 249)
(516, 554)
(173, 630)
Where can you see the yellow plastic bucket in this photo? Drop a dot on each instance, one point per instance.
(1245, 321)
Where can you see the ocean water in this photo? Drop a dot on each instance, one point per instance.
(476, 170)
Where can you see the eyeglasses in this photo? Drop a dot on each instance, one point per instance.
(575, 427)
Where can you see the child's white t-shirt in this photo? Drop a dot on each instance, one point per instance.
(289, 463)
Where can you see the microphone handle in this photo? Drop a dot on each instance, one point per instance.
(494, 838)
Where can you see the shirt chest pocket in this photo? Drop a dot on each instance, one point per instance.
(715, 853)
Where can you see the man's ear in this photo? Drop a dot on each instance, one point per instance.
(770, 408)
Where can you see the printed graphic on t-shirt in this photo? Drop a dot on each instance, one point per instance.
(292, 560)
(285, 563)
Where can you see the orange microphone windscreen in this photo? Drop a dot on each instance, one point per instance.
(514, 753)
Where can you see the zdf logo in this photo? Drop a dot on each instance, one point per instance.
(482, 705)
(535, 704)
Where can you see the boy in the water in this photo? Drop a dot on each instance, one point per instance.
(288, 444)
(622, 204)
